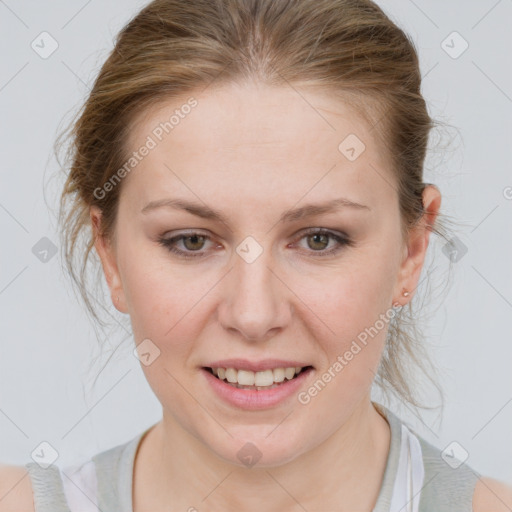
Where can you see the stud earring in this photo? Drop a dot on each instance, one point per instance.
(405, 293)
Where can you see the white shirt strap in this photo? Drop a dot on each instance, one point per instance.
(80, 487)
(410, 474)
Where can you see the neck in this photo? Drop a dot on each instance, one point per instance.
(344, 473)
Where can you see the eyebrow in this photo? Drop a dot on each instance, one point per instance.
(205, 212)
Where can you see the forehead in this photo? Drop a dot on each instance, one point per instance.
(252, 141)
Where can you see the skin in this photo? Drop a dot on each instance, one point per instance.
(254, 152)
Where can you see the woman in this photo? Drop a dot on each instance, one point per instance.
(251, 171)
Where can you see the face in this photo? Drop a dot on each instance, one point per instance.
(269, 281)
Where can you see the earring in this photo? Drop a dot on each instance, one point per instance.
(405, 293)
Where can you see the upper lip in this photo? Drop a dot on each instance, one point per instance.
(256, 366)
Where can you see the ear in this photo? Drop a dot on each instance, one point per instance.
(106, 251)
(416, 246)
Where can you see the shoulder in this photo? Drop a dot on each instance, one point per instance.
(449, 483)
(457, 486)
(491, 494)
(16, 493)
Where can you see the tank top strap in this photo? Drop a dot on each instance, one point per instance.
(114, 475)
(104, 483)
(387, 490)
(448, 487)
(101, 484)
(418, 478)
(47, 488)
(410, 474)
(112, 469)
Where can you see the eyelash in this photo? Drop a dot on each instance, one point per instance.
(168, 243)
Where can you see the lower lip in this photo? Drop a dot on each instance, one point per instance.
(252, 399)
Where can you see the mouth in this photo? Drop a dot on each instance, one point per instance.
(261, 380)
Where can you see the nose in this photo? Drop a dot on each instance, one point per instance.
(255, 303)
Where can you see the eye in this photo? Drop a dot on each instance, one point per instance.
(317, 240)
(192, 242)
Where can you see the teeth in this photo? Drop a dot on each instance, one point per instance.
(289, 373)
(278, 374)
(231, 375)
(264, 379)
(246, 378)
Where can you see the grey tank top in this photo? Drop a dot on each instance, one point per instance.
(416, 478)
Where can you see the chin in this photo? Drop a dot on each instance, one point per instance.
(251, 449)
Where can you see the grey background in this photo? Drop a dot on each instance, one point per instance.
(48, 343)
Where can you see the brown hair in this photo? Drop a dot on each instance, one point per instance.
(174, 47)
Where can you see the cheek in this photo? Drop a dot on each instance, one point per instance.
(352, 296)
(355, 306)
(161, 297)
(360, 324)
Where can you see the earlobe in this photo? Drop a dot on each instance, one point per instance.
(106, 253)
